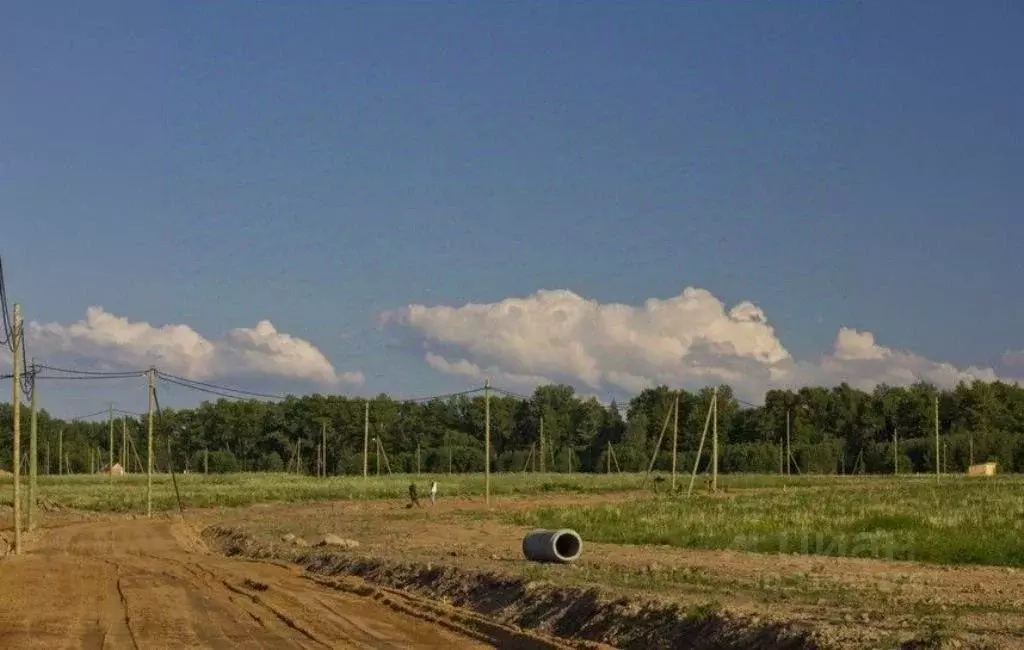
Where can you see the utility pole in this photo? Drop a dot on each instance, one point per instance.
(714, 443)
(110, 465)
(33, 454)
(149, 444)
(675, 442)
(60, 453)
(323, 447)
(206, 461)
(124, 444)
(895, 451)
(366, 441)
(938, 465)
(542, 444)
(487, 441)
(789, 450)
(418, 466)
(16, 406)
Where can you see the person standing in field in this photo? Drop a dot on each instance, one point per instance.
(413, 497)
(433, 492)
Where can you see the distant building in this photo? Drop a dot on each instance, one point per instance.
(982, 469)
(116, 470)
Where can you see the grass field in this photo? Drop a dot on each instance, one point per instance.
(957, 520)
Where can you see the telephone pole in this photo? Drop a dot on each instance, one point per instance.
(110, 464)
(33, 453)
(675, 442)
(938, 465)
(789, 451)
(323, 448)
(542, 464)
(16, 406)
(714, 443)
(149, 445)
(366, 441)
(487, 441)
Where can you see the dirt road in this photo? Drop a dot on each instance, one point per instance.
(152, 584)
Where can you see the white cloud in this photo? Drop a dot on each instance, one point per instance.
(179, 349)
(690, 340)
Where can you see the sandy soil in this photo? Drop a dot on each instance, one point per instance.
(845, 602)
(117, 583)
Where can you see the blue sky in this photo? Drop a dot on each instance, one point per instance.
(314, 164)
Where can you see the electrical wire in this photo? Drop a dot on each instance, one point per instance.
(216, 387)
(91, 373)
(214, 391)
(90, 415)
(86, 378)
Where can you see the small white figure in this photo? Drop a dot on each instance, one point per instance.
(433, 492)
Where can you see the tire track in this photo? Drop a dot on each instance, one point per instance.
(143, 584)
(127, 615)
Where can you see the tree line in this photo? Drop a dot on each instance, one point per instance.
(831, 430)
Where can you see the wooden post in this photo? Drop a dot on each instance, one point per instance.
(895, 451)
(33, 453)
(487, 441)
(714, 443)
(418, 459)
(675, 442)
(110, 466)
(542, 468)
(149, 444)
(366, 442)
(206, 461)
(16, 406)
(60, 453)
(938, 464)
(700, 450)
(124, 444)
(789, 449)
(608, 459)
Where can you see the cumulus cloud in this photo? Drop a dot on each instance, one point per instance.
(692, 339)
(179, 349)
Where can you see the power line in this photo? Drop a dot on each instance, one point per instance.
(90, 415)
(91, 373)
(89, 378)
(215, 387)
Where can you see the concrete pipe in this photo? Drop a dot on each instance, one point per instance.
(552, 545)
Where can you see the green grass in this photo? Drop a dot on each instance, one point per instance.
(959, 521)
(128, 493)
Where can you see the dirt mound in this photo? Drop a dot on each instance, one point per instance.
(569, 613)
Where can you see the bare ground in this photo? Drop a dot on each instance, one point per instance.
(119, 583)
(645, 597)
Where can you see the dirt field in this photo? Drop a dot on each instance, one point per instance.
(116, 583)
(755, 600)
(453, 576)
